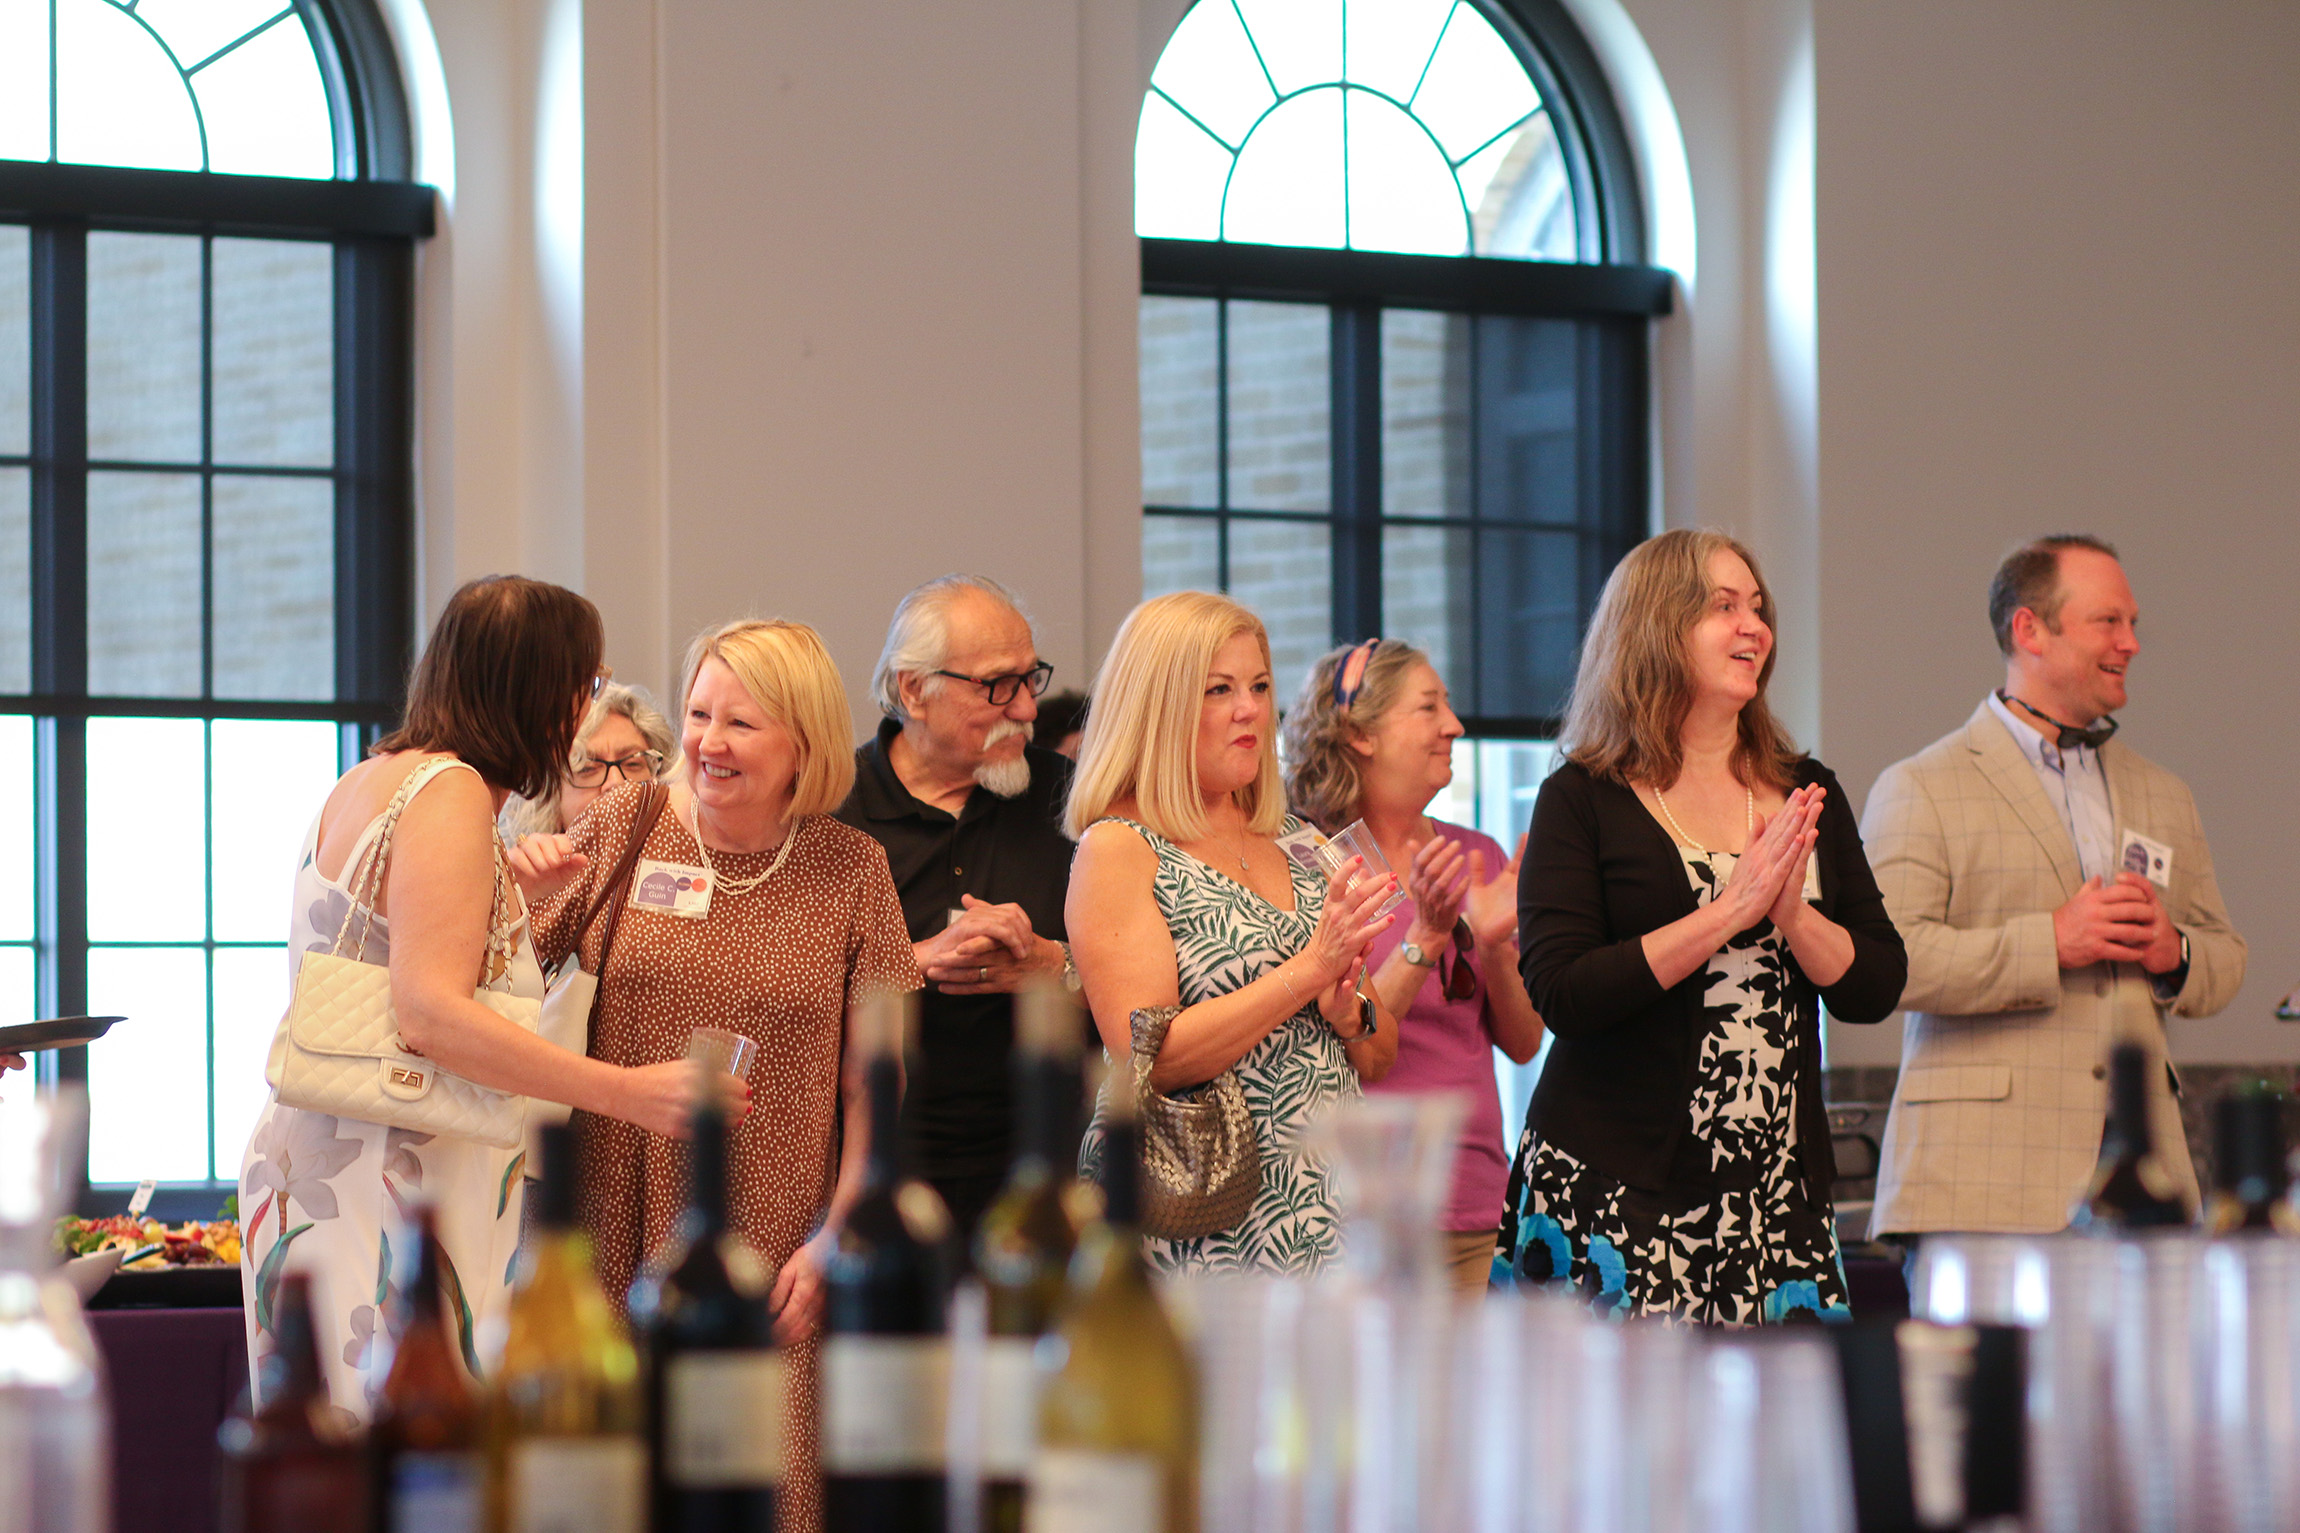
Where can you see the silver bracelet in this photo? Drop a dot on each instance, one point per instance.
(1287, 981)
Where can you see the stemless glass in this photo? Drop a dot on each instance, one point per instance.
(55, 1431)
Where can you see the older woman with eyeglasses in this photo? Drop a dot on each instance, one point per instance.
(624, 738)
(1371, 738)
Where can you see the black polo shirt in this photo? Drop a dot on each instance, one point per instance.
(958, 1110)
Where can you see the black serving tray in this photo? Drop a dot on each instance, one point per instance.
(54, 1033)
(172, 1288)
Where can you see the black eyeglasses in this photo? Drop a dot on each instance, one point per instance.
(1461, 979)
(642, 766)
(1001, 689)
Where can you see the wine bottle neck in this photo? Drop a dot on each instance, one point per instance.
(1045, 1090)
(299, 1379)
(884, 1080)
(707, 1177)
(1122, 1174)
(2128, 1126)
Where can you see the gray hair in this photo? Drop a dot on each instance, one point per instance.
(918, 640)
(531, 817)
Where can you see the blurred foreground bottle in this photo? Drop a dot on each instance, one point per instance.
(55, 1428)
(566, 1454)
(886, 1360)
(295, 1463)
(1118, 1417)
(2249, 1177)
(714, 1377)
(428, 1441)
(2132, 1190)
(1024, 1248)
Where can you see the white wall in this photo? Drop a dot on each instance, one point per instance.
(854, 304)
(2058, 291)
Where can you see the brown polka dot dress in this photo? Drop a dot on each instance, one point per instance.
(779, 963)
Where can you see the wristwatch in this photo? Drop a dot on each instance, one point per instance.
(1369, 1019)
(1412, 953)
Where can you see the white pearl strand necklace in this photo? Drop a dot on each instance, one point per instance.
(1749, 823)
(739, 885)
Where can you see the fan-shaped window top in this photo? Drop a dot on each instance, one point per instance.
(223, 85)
(1405, 125)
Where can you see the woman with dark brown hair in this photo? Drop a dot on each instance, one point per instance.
(492, 709)
(1692, 888)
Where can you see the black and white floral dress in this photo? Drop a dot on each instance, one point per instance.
(1225, 937)
(1741, 1243)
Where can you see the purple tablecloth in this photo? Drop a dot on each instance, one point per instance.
(174, 1374)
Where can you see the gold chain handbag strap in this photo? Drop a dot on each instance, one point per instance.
(366, 883)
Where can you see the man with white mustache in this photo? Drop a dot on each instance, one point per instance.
(969, 813)
(2056, 894)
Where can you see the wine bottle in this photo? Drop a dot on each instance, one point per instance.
(715, 1381)
(2132, 1190)
(2250, 1181)
(1023, 1249)
(428, 1442)
(886, 1361)
(1118, 1420)
(288, 1464)
(566, 1451)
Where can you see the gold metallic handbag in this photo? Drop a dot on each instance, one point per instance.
(1201, 1166)
(338, 1048)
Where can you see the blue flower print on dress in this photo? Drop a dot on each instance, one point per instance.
(1611, 1273)
(1543, 1254)
(1802, 1297)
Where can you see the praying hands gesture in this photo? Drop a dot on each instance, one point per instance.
(1767, 883)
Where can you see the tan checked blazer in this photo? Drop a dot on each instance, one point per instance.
(1996, 1119)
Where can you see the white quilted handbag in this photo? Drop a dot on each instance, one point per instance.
(338, 1048)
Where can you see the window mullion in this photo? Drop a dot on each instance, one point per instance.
(60, 623)
(1357, 471)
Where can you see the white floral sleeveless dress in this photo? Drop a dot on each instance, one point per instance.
(332, 1196)
(1225, 937)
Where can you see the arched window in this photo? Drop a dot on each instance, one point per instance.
(205, 522)
(1393, 343)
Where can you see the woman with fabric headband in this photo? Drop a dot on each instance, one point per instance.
(1371, 738)
(1692, 889)
(1181, 895)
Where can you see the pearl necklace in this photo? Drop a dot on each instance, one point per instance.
(739, 886)
(1749, 824)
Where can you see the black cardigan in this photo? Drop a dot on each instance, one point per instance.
(1599, 873)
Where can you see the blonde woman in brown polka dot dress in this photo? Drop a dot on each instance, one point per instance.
(801, 918)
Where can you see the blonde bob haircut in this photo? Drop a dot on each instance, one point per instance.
(1634, 686)
(790, 675)
(1142, 730)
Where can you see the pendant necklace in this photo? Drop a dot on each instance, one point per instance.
(1749, 823)
(740, 886)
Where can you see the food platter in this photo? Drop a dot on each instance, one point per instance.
(54, 1033)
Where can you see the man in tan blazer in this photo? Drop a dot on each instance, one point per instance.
(2056, 894)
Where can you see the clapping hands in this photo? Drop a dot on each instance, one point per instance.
(1768, 880)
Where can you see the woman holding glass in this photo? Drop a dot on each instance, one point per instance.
(492, 708)
(624, 738)
(788, 918)
(1371, 738)
(1181, 895)
(1693, 888)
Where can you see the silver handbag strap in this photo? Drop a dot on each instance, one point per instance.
(366, 882)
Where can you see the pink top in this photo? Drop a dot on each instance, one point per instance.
(1448, 1046)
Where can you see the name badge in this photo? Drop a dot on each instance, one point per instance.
(671, 888)
(1812, 890)
(1303, 846)
(2148, 857)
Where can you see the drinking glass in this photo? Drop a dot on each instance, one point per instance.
(1354, 840)
(718, 1052)
(55, 1433)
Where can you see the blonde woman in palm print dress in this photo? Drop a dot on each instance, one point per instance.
(1181, 894)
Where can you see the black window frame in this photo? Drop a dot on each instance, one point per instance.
(371, 216)
(1608, 289)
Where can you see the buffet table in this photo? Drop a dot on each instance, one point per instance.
(174, 1375)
